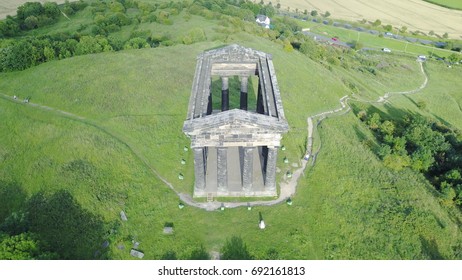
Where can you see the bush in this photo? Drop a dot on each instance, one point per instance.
(235, 249)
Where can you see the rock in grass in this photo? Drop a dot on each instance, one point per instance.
(168, 230)
(136, 254)
(123, 216)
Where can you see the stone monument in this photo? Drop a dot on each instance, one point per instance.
(235, 149)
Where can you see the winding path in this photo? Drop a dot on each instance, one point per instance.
(345, 108)
(287, 187)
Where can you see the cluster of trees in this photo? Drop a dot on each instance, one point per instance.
(33, 15)
(24, 53)
(242, 9)
(423, 145)
(47, 227)
(108, 17)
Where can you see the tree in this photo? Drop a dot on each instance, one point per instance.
(8, 27)
(49, 53)
(445, 35)
(377, 22)
(199, 254)
(29, 9)
(374, 122)
(31, 22)
(51, 10)
(24, 246)
(327, 14)
(19, 56)
(387, 127)
(453, 58)
(235, 249)
(314, 13)
(87, 45)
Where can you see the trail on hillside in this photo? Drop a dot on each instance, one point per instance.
(345, 108)
(289, 184)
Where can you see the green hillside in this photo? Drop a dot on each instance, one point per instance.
(103, 127)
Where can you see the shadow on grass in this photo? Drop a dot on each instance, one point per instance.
(12, 199)
(64, 226)
(430, 249)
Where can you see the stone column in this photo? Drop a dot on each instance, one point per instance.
(244, 90)
(260, 107)
(270, 172)
(224, 93)
(247, 169)
(222, 169)
(199, 168)
(209, 105)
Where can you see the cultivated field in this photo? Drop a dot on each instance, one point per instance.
(414, 14)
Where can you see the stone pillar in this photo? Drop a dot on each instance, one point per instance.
(222, 169)
(260, 107)
(244, 90)
(199, 168)
(247, 169)
(224, 93)
(209, 105)
(270, 172)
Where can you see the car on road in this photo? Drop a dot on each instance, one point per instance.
(386, 50)
(334, 39)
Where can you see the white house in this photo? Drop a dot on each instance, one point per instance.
(263, 21)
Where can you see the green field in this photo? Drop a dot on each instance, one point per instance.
(374, 41)
(113, 126)
(451, 4)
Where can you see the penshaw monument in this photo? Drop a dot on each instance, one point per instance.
(235, 149)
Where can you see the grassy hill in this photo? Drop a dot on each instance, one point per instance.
(119, 125)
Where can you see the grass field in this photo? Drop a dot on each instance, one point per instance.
(374, 41)
(451, 4)
(126, 114)
(133, 124)
(414, 14)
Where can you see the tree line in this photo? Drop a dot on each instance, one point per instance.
(424, 145)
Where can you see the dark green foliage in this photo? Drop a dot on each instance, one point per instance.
(25, 246)
(12, 198)
(200, 254)
(9, 27)
(169, 255)
(19, 56)
(235, 249)
(29, 9)
(33, 14)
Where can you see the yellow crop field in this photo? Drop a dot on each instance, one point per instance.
(414, 14)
